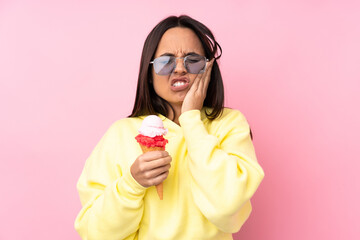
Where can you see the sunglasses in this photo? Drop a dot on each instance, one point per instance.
(193, 63)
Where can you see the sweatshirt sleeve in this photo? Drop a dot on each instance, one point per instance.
(112, 200)
(225, 173)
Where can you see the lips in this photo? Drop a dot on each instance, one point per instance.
(179, 84)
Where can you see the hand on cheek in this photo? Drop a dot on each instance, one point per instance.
(195, 97)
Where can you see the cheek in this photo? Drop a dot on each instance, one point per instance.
(160, 83)
(192, 78)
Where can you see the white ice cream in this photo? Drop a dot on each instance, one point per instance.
(152, 126)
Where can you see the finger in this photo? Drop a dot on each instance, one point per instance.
(209, 66)
(207, 76)
(153, 155)
(159, 179)
(158, 163)
(157, 171)
(198, 78)
(196, 83)
(201, 76)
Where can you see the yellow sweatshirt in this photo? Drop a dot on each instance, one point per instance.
(213, 175)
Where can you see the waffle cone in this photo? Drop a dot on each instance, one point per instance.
(159, 187)
(149, 149)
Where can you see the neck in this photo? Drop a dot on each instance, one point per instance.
(177, 109)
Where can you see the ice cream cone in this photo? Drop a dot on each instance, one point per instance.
(150, 149)
(159, 187)
(151, 139)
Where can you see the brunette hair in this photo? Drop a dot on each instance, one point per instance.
(147, 102)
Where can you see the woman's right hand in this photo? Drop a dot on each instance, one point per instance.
(151, 168)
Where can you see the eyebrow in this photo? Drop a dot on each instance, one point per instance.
(186, 54)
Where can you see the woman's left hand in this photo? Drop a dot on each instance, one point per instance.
(195, 97)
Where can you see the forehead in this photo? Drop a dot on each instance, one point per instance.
(179, 41)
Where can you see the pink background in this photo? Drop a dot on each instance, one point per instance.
(68, 70)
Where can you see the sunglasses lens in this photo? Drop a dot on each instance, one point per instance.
(195, 63)
(164, 65)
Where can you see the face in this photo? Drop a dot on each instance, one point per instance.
(178, 42)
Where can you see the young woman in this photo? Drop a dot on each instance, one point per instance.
(209, 169)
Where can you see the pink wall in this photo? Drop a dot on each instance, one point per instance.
(68, 70)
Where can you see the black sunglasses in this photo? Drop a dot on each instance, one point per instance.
(193, 63)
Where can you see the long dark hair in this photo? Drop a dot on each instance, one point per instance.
(147, 101)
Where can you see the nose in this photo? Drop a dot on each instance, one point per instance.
(179, 66)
